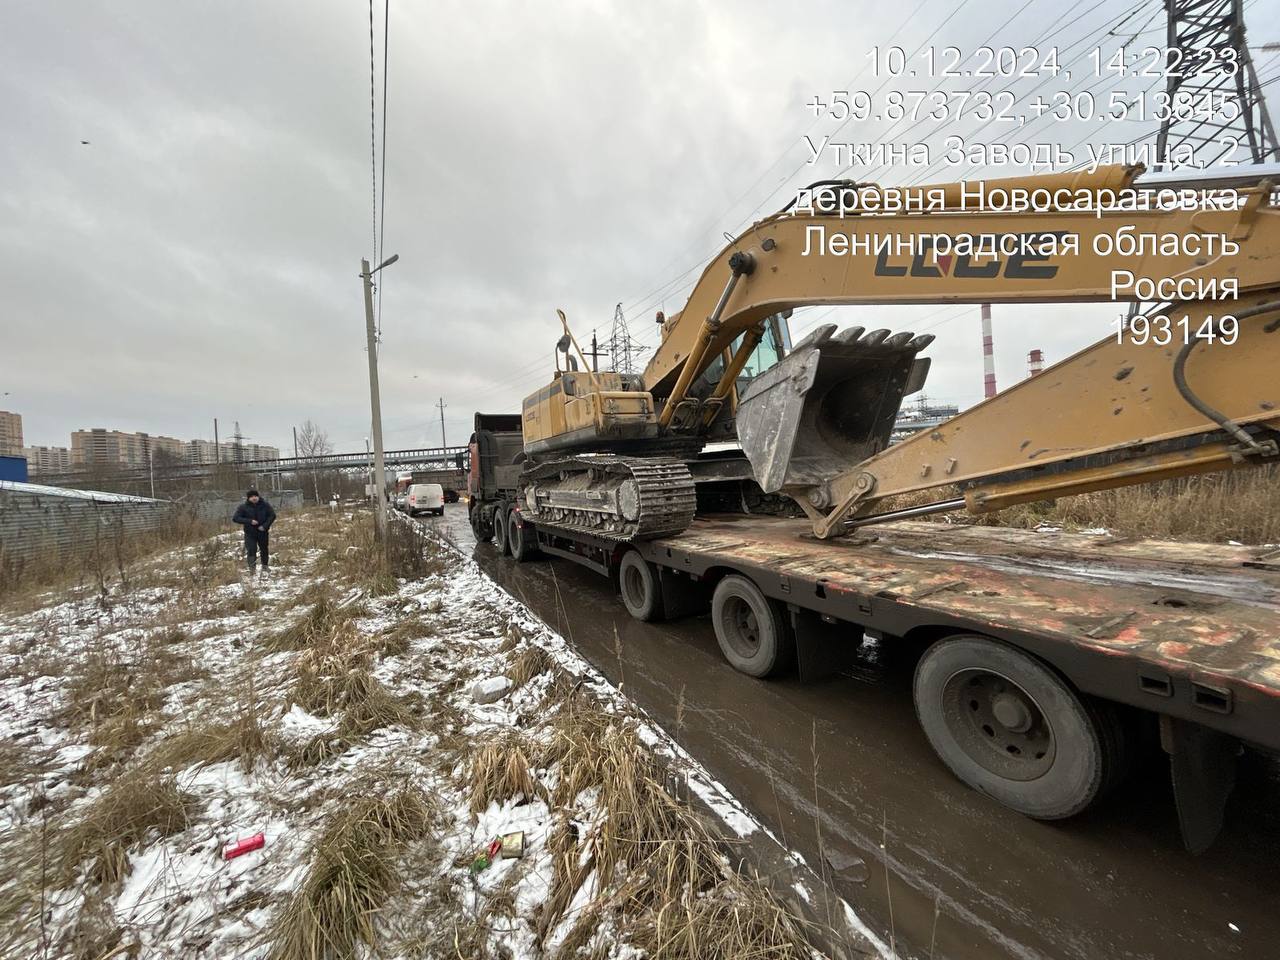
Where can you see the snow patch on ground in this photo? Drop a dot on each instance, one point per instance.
(181, 897)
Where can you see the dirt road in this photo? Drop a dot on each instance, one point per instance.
(940, 869)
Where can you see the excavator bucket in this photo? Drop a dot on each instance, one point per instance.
(829, 404)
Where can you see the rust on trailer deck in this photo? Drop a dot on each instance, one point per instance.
(1199, 622)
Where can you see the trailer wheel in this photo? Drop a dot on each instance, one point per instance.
(638, 584)
(1009, 726)
(749, 627)
(521, 545)
(500, 528)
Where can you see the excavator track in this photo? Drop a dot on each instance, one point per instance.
(618, 498)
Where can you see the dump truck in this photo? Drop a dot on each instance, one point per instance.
(1032, 659)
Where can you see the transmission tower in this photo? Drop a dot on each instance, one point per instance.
(1210, 34)
(623, 348)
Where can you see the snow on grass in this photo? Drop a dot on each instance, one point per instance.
(98, 690)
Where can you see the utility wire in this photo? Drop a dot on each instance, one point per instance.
(674, 287)
(382, 204)
(910, 18)
(373, 136)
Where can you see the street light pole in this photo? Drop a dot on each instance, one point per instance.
(375, 401)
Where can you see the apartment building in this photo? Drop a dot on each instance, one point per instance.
(47, 459)
(205, 451)
(10, 434)
(100, 447)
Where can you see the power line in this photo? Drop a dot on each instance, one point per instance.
(1110, 26)
(910, 18)
(382, 204)
(373, 136)
(768, 197)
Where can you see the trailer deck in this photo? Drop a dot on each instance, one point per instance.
(1187, 630)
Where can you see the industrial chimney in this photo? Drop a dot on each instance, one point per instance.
(1035, 362)
(988, 356)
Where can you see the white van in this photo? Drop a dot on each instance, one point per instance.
(425, 498)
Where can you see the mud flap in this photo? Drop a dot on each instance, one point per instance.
(828, 405)
(822, 649)
(1203, 763)
(681, 596)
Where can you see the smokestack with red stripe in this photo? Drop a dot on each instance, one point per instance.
(1035, 362)
(988, 355)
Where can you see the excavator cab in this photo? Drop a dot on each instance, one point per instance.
(830, 402)
(774, 345)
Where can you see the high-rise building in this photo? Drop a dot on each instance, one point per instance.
(47, 459)
(205, 451)
(101, 447)
(258, 451)
(10, 434)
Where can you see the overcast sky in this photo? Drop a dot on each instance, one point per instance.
(198, 258)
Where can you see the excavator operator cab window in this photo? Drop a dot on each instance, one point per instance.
(775, 345)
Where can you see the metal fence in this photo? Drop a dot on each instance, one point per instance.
(218, 507)
(38, 522)
(46, 523)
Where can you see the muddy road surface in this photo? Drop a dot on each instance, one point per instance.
(841, 769)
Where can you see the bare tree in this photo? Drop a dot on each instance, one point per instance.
(313, 446)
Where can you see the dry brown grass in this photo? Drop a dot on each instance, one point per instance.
(530, 662)
(733, 922)
(327, 624)
(1243, 505)
(358, 558)
(96, 935)
(333, 678)
(500, 771)
(334, 681)
(395, 641)
(115, 693)
(134, 807)
(665, 881)
(434, 923)
(112, 560)
(243, 738)
(353, 872)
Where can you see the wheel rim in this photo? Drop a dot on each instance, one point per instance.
(740, 627)
(513, 536)
(998, 724)
(633, 586)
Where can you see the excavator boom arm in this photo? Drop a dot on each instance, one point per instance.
(816, 425)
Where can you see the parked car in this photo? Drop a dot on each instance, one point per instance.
(425, 498)
(401, 502)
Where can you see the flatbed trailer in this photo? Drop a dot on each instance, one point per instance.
(1042, 651)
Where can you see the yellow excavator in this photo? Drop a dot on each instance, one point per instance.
(616, 454)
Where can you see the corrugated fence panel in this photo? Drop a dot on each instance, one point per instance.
(41, 526)
(34, 525)
(216, 508)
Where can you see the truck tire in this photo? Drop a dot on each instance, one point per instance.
(521, 543)
(638, 584)
(500, 528)
(749, 627)
(1007, 725)
(482, 528)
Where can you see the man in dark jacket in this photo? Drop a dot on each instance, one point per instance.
(256, 516)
